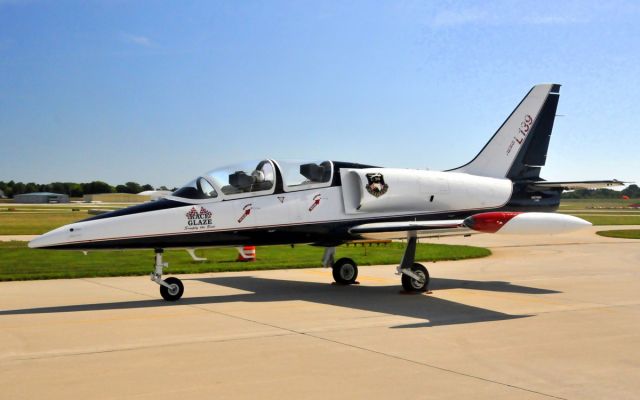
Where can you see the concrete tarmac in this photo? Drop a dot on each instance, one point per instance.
(544, 317)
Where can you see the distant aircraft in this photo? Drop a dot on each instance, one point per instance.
(327, 203)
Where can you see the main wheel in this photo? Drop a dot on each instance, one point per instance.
(345, 271)
(413, 285)
(174, 291)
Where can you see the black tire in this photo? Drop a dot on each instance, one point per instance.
(345, 271)
(175, 292)
(411, 285)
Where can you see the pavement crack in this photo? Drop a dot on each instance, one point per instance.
(432, 366)
(144, 347)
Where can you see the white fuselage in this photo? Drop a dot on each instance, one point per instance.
(408, 193)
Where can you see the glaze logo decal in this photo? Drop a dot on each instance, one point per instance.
(281, 199)
(246, 211)
(523, 131)
(375, 184)
(199, 219)
(316, 201)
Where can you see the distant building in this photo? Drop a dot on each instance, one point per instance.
(40, 198)
(2, 196)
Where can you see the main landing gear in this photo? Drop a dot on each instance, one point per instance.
(171, 289)
(415, 277)
(345, 270)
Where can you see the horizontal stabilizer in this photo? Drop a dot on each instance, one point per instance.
(573, 185)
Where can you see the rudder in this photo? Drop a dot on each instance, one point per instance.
(519, 148)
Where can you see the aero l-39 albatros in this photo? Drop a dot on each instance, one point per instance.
(328, 203)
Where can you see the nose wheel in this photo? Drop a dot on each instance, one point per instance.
(174, 289)
(171, 289)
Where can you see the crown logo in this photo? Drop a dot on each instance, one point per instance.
(202, 214)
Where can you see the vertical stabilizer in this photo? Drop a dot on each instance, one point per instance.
(519, 148)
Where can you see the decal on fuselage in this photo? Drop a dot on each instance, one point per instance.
(375, 184)
(199, 219)
(245, 213)
(316, 201)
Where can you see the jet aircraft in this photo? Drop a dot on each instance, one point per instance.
(327, 203)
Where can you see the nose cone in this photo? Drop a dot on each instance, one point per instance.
(53, 238)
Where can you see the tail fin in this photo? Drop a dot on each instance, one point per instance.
(519, 148)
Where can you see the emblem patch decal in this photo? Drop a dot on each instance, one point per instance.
(376, 186)
(199, 219)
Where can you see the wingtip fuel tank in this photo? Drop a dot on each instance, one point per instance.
(530, 223)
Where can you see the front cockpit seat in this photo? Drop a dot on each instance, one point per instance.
(240, 181)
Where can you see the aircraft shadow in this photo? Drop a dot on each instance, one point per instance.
(432, 310)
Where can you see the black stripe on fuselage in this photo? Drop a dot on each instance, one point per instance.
(161, 204)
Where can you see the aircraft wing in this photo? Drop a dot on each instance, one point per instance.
(573, 185)
(400, 230)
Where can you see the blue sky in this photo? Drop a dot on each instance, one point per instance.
(158, 92)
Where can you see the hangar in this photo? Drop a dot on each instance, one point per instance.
(40, 198)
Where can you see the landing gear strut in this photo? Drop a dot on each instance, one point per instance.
(415, 277)
(171, 289)
(345, 270)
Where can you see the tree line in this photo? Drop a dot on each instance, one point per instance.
(631, 191)
(73, 189)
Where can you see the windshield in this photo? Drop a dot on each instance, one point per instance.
(198, 188)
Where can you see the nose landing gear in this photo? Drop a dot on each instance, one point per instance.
(171, 289)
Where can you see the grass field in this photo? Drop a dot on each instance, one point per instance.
(17, 262)
(584, 204)
(603, 211)
(35, 223)
(622, 234)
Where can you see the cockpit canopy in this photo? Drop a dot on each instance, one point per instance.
(252, 178)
